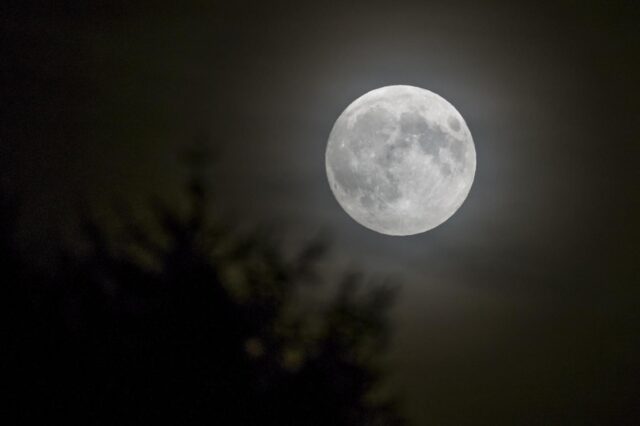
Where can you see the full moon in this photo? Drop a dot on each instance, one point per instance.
(400, 160)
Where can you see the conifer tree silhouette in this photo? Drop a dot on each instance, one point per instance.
(212, 334)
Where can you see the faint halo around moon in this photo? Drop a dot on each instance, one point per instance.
(400, 160)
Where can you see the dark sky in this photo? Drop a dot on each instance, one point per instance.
(523, 308)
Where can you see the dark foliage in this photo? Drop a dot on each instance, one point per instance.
(211, 333)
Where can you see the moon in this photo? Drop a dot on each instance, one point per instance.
(400, 160)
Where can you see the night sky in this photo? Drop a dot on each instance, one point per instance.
(523, 308)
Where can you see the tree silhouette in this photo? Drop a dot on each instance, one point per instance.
(213, 329)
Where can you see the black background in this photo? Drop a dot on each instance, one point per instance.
(521, 309)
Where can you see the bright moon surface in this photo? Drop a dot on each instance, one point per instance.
(400, 160)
